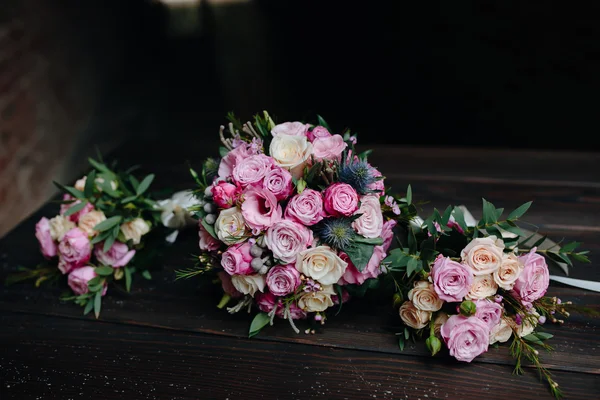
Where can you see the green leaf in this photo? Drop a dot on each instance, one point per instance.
(129, 199)
(406, 333)
(560, 258)
(493, 231)
(581, 258)
(409, 195)
(108, 223)
(259, 322)
(401, 342)
(134, 182)
(88, 307)
(210, 229)
(532, 339)
(145, 184)
(338, 290)
(428, 252)
(361, 290)
(109, 242)
(95, 280)
(412, 266)
(459, 217)
(100, 167)
(499, 212)
(88, 189)
(128, 273)
(146, 274)
(489, 212)
(412, 242)
(569, 247)
(76, 208)
(519, 211)
(97, 303)
(323, 123)
(397, 258)
(104, 270)
(360, 254)
(540, 241)
(446, 216)
(78, 194)
(524, 241)
(223, 151)
(543, 335)
(374, 241)
(511, 228)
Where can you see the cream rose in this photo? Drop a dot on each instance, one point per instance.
(60, 225)
(439, 320)
(483, 286)
(321, 264)
(526, 327)
(509, 272)
(134, 230)
(80, 184)
(414, 317)
(249, 284)
(88, 221)
(501, 332)
(291, 152)
(317, 301)
(231, 226)
(424, 297)
(370, 223)
(483, 255)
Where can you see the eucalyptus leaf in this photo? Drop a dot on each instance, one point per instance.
(129, 199)
(459, 217)
(108, 242)
(569, 247)
(88, 189)
(128, 273)
(75, 208)
(519, 211)
(543, 335)
(146, 274)
(95, 280)
(99, 166)
(145, 184)
(360, 254)
(408, 195)
(108, 223)
(323, 123)
(88, 307)
(134, 182)
(210, 229)
(104, 270)
(78, 194)
(412, 266)
(259, 322)
(97, 303)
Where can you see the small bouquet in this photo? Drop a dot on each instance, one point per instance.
(97, 237)
(292, 220)
(472, 284)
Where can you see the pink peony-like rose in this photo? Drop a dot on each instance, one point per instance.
(236, 260)
(466, 338)
(279, 182)
(451, 280)
(328, 148)
(74, 250)
(318, 132)
(283, 279)
(378, 187)
(288, 238)
(373, 269)
(306, 207)
(252, 170)
(387, 233)
(225, 194)
(42, 233)
(489, 312)
(227, 285)
(75, 216)
(236, 155)
(340, 200)
(535, 278)
(117, 256)
(78, 280)
(260, 209)
(290, 129)
(266, 301)
(294, 311)
(207, 242)
(370, 223)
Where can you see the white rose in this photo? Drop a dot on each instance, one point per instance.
(80, 184)
(175, 212)
(509, 272)
(483, 286)
(317, 301)
(501, 332)
(413, 317)
(483, 255)
(290, 128)
(321, 264)
(249, 284)
(89, 220)
(526, 326)
(370, 223)
(291, 152)
(439, 320)
(231, 226)
(60, 225)
(424, 297)
(135, 229)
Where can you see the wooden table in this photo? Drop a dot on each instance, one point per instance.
(167, 340)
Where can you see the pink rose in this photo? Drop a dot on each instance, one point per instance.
(466, 338)
(373, 269)
(295, 312)
(290, 129)
(252, 170)
(42, 233)
(266, 301)
(306, 207)
(370, 223)
(454, 225)
(227, 285)
(78, 280)
(387, 233)
(74, 250)
(341, 199)
(260, 209)
(377, 186)
(207, 242)
(489, 312)
(279, 182)
(236, 260)
(318, 132)
(283, 280)
(75, 216)
(236, 155)
(225, 194)
(328, 148)
(288, 238)
(534, 280)
(117, 256)
(451, 280)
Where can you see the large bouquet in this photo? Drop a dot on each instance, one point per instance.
(292, 219)
(472, 284)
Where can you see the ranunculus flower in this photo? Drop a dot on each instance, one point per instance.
(88, 221)
(78, 280)
(328, 148)
(75, 216)
(283, 280)
(387, 233)
(249, 284)
(413, 317)
(266, 301)
(318, 132)
(535, 278)
(508, 272)
(489, 312)
(321, 264)
(466, 338)
(370, 223)
(207, 242)
(43, 235)
(341, 200)
(260, 209)
(291, 153)
(451, 280)
(290, 129)
(230, 160)
(317, 301)
(288, 238)
(230, 227)
(59, 226)
(135, 229)
(227, 286)
(501, 332)
(74, 250)
(279, 182)
(482, 286)
(252, 170)
(424, 297)
(377, 186)
(118, 255)
(225, 194)
(295, 312)
(236, 260)
(483, 255)
(306, 207)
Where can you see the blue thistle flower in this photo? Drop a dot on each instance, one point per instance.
(356, 173)
(337, 233)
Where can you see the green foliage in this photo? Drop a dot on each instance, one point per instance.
(260, 321)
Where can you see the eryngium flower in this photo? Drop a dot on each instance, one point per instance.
(357, 174)
(337, 233)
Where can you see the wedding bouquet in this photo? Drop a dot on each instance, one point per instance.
(98, 235)
(292, 220)
(470, 285)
